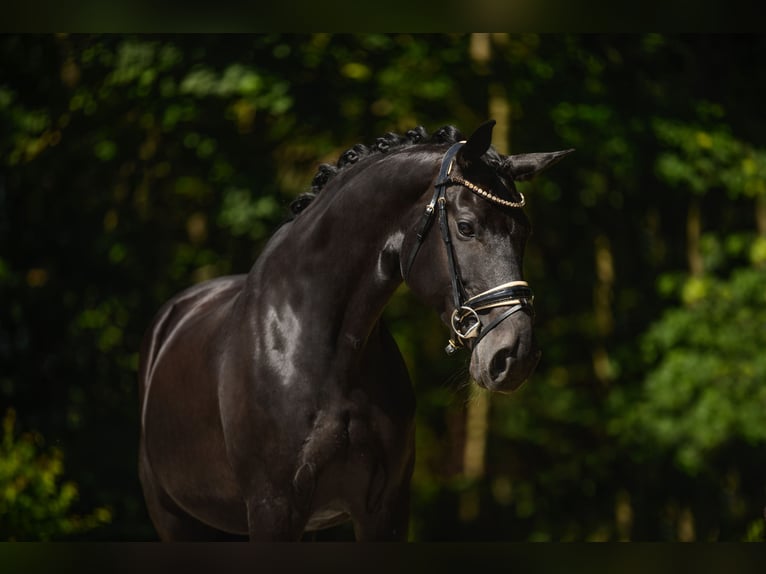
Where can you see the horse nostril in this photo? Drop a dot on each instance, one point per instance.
(500, 364)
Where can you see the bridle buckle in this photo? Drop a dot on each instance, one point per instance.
(459, 316)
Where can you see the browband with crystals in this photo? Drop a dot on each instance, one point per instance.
(487, 195)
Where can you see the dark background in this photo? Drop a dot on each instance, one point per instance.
(134, 166)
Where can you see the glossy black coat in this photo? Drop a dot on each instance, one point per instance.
(277, 402)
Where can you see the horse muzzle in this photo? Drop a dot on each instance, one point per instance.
(507, 355)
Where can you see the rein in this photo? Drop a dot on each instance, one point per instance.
(465, 322)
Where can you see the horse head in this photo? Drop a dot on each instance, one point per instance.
(470, 269)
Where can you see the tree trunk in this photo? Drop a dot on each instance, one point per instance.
(760, 215)
(693, 234)
(602, 306)
(477, 412)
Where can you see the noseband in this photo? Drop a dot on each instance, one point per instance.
(465, 322)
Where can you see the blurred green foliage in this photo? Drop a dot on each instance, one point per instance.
(132, 166)
(34, 503)
(704, 387)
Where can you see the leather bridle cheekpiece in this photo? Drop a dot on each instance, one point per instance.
(465, 323)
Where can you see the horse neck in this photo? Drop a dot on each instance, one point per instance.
(338, 264)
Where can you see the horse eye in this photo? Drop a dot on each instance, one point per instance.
(465, 229)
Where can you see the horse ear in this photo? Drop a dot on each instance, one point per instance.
(479, 142)
(525, 166)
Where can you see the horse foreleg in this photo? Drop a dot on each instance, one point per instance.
(389, 522)
(275, 519)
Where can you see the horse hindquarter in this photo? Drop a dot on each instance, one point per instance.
(183, 465)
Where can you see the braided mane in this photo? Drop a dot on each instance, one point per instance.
(384, 144)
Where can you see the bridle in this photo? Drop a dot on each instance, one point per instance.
(465, 322)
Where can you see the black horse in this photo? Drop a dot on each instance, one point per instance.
(276, 402)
